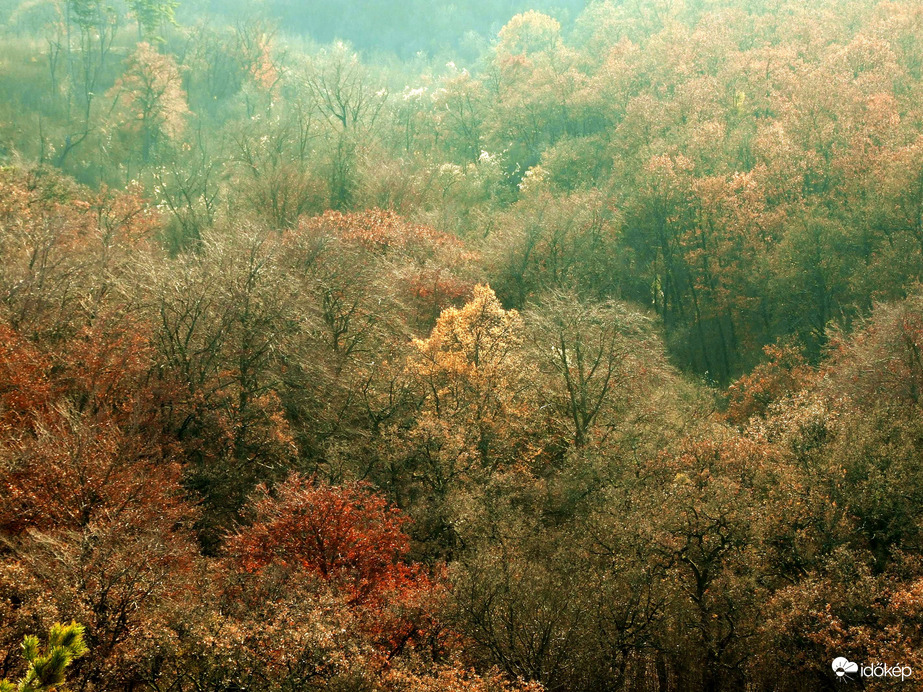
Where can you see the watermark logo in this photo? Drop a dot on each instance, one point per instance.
(843, 667)
(846, 669)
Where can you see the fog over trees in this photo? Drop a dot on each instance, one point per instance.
(501, 346)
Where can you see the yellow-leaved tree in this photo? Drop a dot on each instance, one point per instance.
(476, 418)
(473, 376)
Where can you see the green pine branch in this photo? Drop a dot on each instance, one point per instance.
(47, 670)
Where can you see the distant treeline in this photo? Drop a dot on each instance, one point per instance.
(402, 27)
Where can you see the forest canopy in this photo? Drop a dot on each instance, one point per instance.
(493, 346)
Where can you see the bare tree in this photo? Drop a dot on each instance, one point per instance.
(596, 353)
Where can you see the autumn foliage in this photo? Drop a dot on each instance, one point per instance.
(347, 537)
(591, 360)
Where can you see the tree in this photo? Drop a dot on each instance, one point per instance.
(476, 417)
(151, 99)
(470, 367)
(460, 110)
(532, 81)
(95, 525)
(66, 251)
(590, 352)
(340, 85)
(152, 15)
(554, 242)
(342, 92)
(89, 28)
(784, 374)
(224, 317)
(347, 537)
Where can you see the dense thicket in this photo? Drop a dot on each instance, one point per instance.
(593, 364)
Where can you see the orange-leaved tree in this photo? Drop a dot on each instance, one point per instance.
(346, 540)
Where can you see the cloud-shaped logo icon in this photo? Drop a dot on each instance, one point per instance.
(843, 666)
